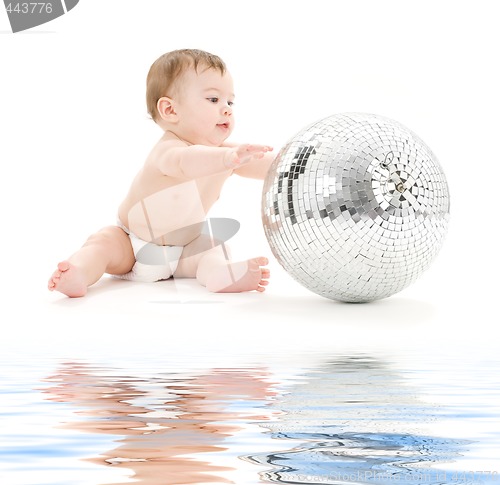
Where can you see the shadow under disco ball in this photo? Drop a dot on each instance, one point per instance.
(355, 207)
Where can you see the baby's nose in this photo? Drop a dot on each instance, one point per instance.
(227, 109)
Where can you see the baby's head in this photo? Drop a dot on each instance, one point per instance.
(165, 73)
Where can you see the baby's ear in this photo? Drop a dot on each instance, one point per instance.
(166, 109)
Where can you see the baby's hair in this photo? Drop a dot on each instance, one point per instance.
(167, 69)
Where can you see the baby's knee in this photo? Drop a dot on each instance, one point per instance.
(109, 236)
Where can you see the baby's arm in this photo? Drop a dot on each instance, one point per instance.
(196, 161)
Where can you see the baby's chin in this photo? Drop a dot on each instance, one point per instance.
(224, 131)
(217, 141)
(215, 138)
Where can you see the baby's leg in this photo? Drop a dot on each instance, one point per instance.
(107, 251)
(222, 276)
(212, 268)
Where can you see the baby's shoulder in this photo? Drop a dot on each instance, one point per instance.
(160, 154)
(162, 148)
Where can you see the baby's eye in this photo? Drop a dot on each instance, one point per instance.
(230, 103)
(213, 100)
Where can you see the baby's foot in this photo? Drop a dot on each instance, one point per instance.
(68, 279)
(242, 276)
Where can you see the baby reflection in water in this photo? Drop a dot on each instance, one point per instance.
(166, 423)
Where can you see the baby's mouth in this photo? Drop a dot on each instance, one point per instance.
(223, 125)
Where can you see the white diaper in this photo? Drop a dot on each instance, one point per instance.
(153, 262)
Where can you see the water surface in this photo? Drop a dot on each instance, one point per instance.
(362, 418)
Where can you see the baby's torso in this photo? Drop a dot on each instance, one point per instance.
(169, 211)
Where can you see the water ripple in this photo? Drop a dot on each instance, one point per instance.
(355, 419)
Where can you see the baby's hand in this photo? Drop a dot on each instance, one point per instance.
(243, 154)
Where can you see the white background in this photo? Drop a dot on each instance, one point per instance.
(74, 128)
(74, 131)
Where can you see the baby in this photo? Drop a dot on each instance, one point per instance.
(160, 232)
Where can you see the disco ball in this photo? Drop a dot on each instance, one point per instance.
(355, 207)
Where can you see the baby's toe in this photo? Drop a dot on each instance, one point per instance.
(63, 266)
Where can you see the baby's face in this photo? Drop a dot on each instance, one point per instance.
(204, 107)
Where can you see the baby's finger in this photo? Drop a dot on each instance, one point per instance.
(258, 148)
